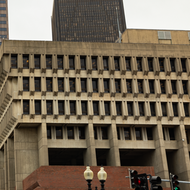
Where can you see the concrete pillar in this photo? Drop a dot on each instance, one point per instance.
(113, 158)
(2, 176)
(42, 145)
(10, 164)
(90, 153)
(5, 166)
(25, 154)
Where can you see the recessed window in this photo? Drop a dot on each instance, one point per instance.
(172, 64)
(138, 132)
(161, 63)
(70, 132)
(96, 107)
(118, 85)
(49, 105)
(105, 62)
(140, 86)
(25, 61)
(164, 110)
(37, 61)
(94, 63)
(118, 108)
(26, 107)
(73, 107)
(149, 133)
(60, 62)
(83, 85)
(184, 83)
(38, 107)
(48, 132)
(48, 62)
(61, 84)
(95, 85)
(81, 132)
(95, 133)
(37, 81)
(162, 86)
(14, 61)
(61, 107)
(49, 84)
(118, 133)
(175, 111)
(116, 62)
(72, 84)
(183, 64)
(127, 133)
(174, 89)
(25, 83)
(128, 63)
(139, 64)
(151, 86)
(104, 131)
(141, 108)
(130, 108)
(71, 63)
(129, 86)
(83, 62)
(171, 133)
(107, 108)
(186, 109)
(59, 133)
(106, 86)
(84, 108)
(152, 108)
(150, 64)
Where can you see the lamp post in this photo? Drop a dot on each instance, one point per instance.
(88, 175)
(102, 176)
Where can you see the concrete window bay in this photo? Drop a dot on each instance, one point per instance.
(76, 104)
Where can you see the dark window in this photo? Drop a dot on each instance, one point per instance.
(61, 107)
(83, 85)
(171, 133)
(106, 86)
(183, 64)
(71, 63)
(129, 86)
(172, 63)
(140, 86)
(118, 85)
(96, 108)
(141, 108)
(49, 104)
(161, 63)
(84, 108)
(149, 133)
(3, 8)
(37, 61)
(138, 133)
(128, 63)
(81, 132)
(174, 89)
(104, 131)
(94, 63)
(59, 133)
(187, 136)
(105, 62)
(150, 64)
(70, 132)
(49, 84)
(107, 108)
(73, 107)
(3, 15)
(186, 109)
(72, 84)
(118, 133)
(48, 62)
(95, 85)
(130, 108)
(25, 61)
(26, 107)
(61, 84)
(116, 62)
(163, 133)
(95, 133)
(25, 83)
(164, 110)
(118, 108)
(184, 83)
(175, 109)
(162, 85)
(127, 133)
(139, 64)
(60, 62)
(151, 86)
(152, 109)
(38, 107)
(83, 63)
(13, 61)
(37, 84)
(48, 132)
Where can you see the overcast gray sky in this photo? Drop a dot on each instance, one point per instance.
(31, 19)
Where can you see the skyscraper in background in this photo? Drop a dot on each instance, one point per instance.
(87, 20)
(4, 29)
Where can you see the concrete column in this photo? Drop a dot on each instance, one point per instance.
(10, 164)
(2, 176)
(90, 153)
(113, 155)
(42, 145)
(25, 154)
(5, 166)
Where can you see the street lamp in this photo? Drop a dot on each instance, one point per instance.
(88, 175)
(102, 176)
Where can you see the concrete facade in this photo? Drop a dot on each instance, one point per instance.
(93, 124)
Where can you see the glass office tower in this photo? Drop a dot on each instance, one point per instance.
(87, 20)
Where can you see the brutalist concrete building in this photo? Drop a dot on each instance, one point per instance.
(76, 103)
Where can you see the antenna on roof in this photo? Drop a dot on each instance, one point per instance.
(120, 34)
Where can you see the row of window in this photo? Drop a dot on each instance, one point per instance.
(106, 82)
(94, 63)
(118, 104)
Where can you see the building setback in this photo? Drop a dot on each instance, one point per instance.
(77, 103)
(4, 27)
(87, 20)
